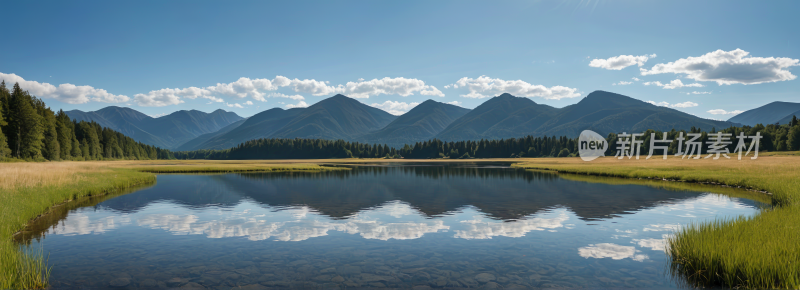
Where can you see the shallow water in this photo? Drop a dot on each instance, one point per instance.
(377, 226)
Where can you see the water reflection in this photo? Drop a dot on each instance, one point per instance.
(377, 227)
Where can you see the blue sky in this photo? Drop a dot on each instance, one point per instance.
(126, 53)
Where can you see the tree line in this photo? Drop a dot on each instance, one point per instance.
(774, 138)
(29, 130)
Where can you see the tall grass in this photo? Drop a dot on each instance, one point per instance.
(758, 252)
(28, 190)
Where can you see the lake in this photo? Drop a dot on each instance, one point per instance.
(379, 226)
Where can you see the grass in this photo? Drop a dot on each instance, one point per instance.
(757, 252)
(29, 190)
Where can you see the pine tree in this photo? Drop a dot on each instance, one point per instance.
(4, 150)
(66, 133)
(794, 138)
(26, 134)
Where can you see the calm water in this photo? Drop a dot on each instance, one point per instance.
(374, 227)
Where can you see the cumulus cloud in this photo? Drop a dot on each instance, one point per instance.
(249, 103)
(485, 87)
(621, 83)
(67, 93)
(699, 93)
(300, 104)
(635, 79)
(678, 105)
(261, 89)
(723, 112)
(729, 67)
(620, 62)
(674, 84)
(395, 108)
(613, 251)
(293, 97)
(389, 86)
(235, 105)
(454, 103)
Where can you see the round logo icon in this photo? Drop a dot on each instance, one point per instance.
(591, 145)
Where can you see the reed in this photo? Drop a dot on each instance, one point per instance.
(746, 252)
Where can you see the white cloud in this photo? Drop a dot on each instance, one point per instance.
(67, 93)
(259, 89)
(480, 229)
(699, 93)
(621, 83)
(620, 62)
(678, 105)
(674, 84)
(279, 95)
(613, 251)
(485, 87)
(249, 103)
(685, 105)
(635, 79)
(300, 104)
(729, 67)
(454, 103)
(654, 244)
(158, 115)
(235, 105)
(395, 108)
(389, 86)
(723, 112)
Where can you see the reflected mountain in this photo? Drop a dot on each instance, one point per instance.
(432, 190)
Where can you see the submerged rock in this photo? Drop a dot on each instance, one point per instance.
(485, 277)
(119, 282)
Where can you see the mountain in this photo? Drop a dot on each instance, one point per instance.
(337, 117)
(767, 114)
(261, 125)
(789, 117)
(503, 116)
(166, 132)
(507, 116)
(421, 123)
(197, 143)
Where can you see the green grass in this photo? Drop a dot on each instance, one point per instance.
(759, 252)
(30, 191)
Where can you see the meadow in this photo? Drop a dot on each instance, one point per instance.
(756, 253)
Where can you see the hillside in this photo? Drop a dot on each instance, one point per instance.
(167, 132)
(507, 116)
(337, 117)
(767, 114)
(421, 123)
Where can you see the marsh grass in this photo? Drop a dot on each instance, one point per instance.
(29, 190)
(756, 252)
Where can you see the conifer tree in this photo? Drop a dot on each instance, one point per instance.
(4, 150)
(26, 132)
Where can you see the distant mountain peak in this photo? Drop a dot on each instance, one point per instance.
(506, 95)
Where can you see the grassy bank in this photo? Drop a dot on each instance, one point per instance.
(28, 190)
(757, 252)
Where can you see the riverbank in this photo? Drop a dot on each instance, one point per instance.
(757, 252)
(28, 190)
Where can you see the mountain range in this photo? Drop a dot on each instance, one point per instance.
(167, 132)
(340, 117)
(775, 112)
